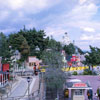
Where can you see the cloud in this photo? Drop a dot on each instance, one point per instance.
(82, 1)
(33, 6)
(54, 16)
(3, 15)
(88, 29)
(86, 37)
(55, 32)
(8, 30)
(92, 37)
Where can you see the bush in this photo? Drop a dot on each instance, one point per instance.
(11, 78)
(74, 73)
(87, 72)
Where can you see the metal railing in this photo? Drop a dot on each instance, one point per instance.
(32, 96)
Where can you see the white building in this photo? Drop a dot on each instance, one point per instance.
(66, 40)
(16, 56)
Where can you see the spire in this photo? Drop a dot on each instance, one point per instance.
(65, 39)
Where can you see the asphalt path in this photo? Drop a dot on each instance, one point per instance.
(20, 89)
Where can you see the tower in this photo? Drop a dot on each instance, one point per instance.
(65, 39)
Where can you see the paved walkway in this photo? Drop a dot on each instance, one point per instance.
(20, 90)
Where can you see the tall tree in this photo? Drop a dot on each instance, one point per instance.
(18, 42)
(72, 49)
(35, 38)
(4, 49)
(69, 49)
(53, 44)
(54, 76)
(93, 57)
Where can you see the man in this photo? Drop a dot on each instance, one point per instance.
(90, 94)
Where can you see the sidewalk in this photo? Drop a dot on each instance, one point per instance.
(20, 89)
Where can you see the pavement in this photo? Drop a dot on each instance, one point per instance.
(20, 88)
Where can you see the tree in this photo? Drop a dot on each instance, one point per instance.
(35, 38)
(4, 49)
(54, 76)
(93, 57)
(24, 49)
(18, 42)
(72, 49)
(69, 49)
(53, 44)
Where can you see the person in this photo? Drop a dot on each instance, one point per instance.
(35, 71)
(96, 95)
(66, 93)
(98, 92)
(90, 94)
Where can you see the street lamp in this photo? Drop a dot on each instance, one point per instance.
(28, 80)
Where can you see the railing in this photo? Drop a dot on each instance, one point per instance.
(32, 96)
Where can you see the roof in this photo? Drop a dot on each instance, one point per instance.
(33, 59)
(77, 84)
(75, 80)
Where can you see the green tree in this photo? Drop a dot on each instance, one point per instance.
(72, 49)
(54, 76)
(69, 49)
(93, 57)
(35, 38)
(18, 42)
(53, 44)
(4, 49)
(24, 49)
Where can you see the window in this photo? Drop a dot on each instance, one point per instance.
(32, 64)
(29, 64)
(78, 92)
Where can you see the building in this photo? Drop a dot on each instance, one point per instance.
(77, 89)
(66, 40)
(32, 61)
(4, 74)
(16, 56)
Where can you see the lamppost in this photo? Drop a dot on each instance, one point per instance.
(28, 80)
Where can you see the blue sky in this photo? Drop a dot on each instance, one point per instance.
(79, 18)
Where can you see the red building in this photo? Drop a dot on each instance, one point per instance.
(4, 74)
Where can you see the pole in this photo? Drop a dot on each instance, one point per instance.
(28, 91)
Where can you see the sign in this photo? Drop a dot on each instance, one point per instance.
(5, 67)
(42, 70)
(79, 85)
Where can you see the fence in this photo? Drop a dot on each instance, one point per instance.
(33, 96)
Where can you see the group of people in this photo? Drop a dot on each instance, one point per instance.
(90, 94)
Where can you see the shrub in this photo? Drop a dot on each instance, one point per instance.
(87, 72)
(74, 73)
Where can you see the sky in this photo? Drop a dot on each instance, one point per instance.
(79, 18)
